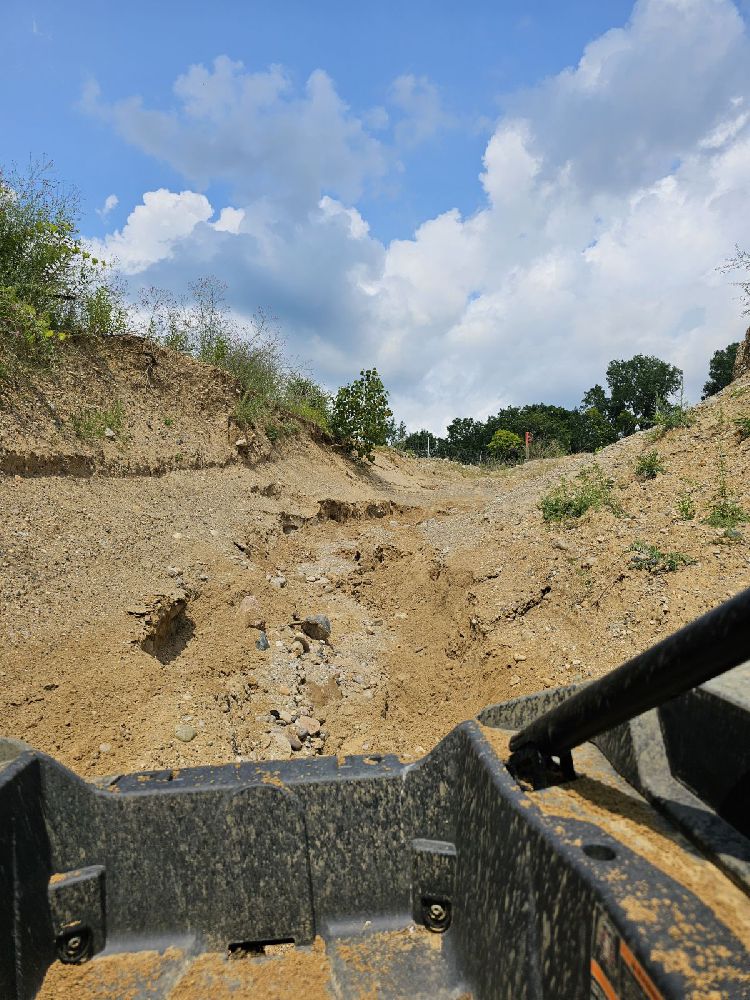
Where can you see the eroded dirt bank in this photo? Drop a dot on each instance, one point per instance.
(132, 609)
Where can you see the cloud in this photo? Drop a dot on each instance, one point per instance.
(256, 131)
(110, 202)
(423, 115)
(154, 228)
(611, 192)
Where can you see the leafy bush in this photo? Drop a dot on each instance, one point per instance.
(590, 490)
(649, 465)
(41, 255)
(506, 446)
(685, 506)
(550, 448)
(743, 427)
(92, 423)
(649, 557)
(25, 334)
(307, 400)
(724, 511)
(669, 417)
(253, 353)
(361, 413)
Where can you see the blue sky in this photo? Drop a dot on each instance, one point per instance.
(488, 201)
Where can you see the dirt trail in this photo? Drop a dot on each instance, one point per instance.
(131, 607)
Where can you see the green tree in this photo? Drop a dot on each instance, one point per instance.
(506, 446)
(592, 430)
(397, 433)
(466, 440)
(637, 387)
(720, 369)
(361, 414)
(595, 398)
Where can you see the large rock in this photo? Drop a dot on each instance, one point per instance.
(317, 627)
(742, 361)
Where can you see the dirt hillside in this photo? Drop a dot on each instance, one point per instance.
(143, 572)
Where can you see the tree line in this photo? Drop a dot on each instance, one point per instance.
(639, 393)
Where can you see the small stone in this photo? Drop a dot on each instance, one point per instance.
(519, 657)
(370, 630)
(105, 747)
(262, 642)
(280, 744)
(297, 649)
(240, 443)
(278, 582)
(176, 535)
(286, 717)
(174, 571)
(310, 725)
(294, 741)
(284, 690)
(203, 577)
(184, 732)
(302, 639)
(515, 680)
(317, 627)
(109, 433)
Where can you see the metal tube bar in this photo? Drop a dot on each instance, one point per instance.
(707, 647)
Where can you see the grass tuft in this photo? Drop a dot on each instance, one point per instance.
(570, 499)
(650, 558)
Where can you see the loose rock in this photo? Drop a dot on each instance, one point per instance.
(262, 642)
(184, 732)
(317, 627)
(310, 725)
(294, 741)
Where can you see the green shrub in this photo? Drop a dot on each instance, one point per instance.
(92, 423)
(43, 258)
(590, 490)
(506, 447)
(306, 399)
(547, 448)
(724, 511)
(361, 413)
(685, 506)
(649, 465)
(649, 557)
(670, 416)
(25, 334)
(743, 427)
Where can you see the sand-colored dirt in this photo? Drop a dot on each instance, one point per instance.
(130, 604)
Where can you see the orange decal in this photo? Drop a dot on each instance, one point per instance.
(639, 973)
(598, 975)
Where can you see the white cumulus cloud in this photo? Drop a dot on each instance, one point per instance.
(611, 192)
(153, 228)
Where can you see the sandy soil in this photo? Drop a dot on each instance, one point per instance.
(131, 605)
